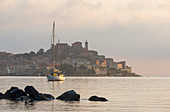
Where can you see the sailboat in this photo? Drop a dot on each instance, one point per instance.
(56, 74)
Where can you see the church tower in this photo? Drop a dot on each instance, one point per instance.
(86, 45)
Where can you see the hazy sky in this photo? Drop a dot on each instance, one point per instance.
(137, 31)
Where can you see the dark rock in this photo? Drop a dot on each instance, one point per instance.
(96, 98)
(13, 93)
(26, 99)
(31, 91)
(7, 93)
(23, 98)
(69, 96)
(17, 93)
(35, 95)
(44, 97)
(2, 96)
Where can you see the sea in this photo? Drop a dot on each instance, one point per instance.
(124, 94)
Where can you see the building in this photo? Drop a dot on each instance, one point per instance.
(77, 46)
(24, 69)
(76, 61)
(89, 53)
(5, 55)
(128, 69)
(101, 57)
(62, 47)
(112, 65)
(101, 71)
(121, 65)
(104, 64)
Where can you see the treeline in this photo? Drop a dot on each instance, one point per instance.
(69, 69)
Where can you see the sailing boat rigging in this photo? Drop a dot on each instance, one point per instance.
(56, 74)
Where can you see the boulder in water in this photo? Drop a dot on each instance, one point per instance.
(96, 98)
(31, 91)
(44, 97)
(2, 96)
(24, 98)
(7, 93)
(35, 95)
(69, 96)
(13, 93)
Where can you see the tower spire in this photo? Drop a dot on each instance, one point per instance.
(86, 45)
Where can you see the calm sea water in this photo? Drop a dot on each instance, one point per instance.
(125, 94)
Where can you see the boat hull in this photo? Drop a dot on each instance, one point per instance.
(55, 78)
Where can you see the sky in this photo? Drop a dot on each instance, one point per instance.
(135, 31)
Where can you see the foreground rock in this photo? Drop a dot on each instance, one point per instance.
(2, 96)
(96, 98)
(29, 95)
(69, 96)
(13, 93)
(35, 95)
(24, 98)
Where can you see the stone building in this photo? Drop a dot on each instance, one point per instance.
(121, 65)
(77, 46)
(62, 47)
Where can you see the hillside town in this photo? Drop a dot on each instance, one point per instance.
(74, 60)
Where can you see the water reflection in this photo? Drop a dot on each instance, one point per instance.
(55, 84)
(19, 105)
(30, 106)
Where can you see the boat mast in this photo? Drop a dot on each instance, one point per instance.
(53, 44)
(58, 52)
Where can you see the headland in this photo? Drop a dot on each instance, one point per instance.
(74, 60)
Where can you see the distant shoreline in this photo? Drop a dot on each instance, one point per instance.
(73, 75)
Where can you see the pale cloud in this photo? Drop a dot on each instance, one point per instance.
(84, 12)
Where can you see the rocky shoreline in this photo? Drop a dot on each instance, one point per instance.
(30, 95)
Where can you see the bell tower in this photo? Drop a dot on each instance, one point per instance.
(86, 45)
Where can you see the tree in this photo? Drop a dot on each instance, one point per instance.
(88, 71)
(32, 53)
(93, 71)
(82, 67)
(68, 69)
(40, 51)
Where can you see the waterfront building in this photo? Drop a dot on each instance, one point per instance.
(101, 71)
(121, 65)
(128, 69)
